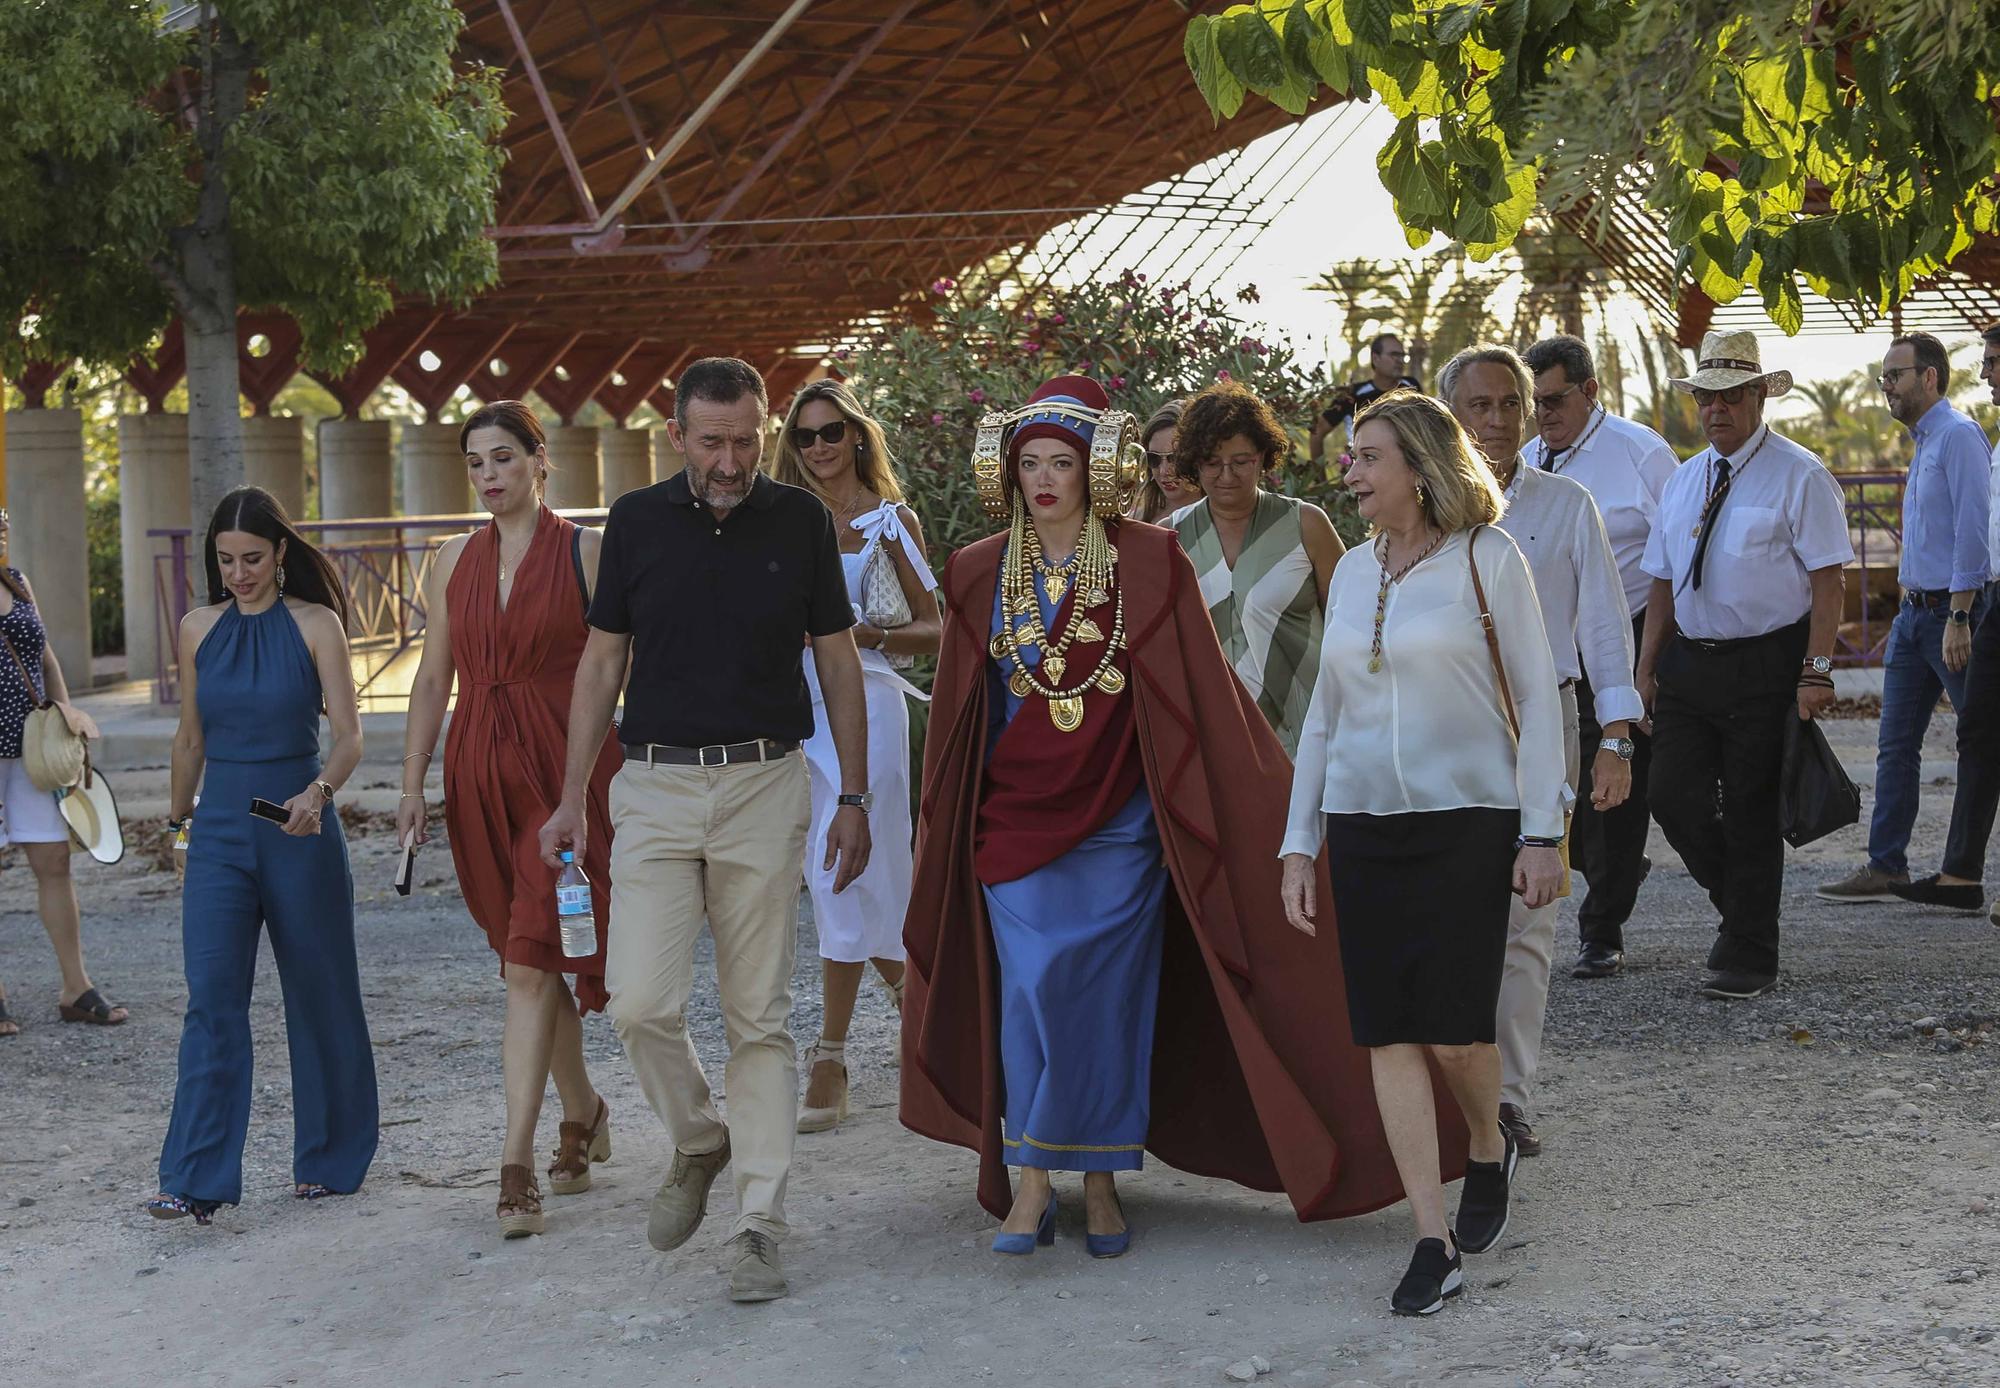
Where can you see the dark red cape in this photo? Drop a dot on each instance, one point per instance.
(1256, 1078)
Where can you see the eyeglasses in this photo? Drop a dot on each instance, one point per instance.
(1735, 395)
(1888, 378)
(802, 438)
(1545, 403)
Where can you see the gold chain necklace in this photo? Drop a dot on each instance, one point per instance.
(1021, 621)
(500, 549)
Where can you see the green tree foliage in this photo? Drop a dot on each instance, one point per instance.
(312, 156)
(1847, 146)
(983, 348)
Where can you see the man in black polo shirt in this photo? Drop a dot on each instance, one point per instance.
(708, 580)
(1386, 363)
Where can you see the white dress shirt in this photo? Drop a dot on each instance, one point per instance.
(1426, 731)
(1783, 518)
(1556, 526)
(1626, 466)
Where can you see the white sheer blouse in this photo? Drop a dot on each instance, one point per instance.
(1426, 731)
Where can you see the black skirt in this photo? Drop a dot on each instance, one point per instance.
(1420, 902)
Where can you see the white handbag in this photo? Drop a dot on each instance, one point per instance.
(882, 599)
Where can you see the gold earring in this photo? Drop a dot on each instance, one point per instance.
(1422, 500)
(281, 579)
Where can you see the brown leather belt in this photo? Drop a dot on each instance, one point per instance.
(713, 755)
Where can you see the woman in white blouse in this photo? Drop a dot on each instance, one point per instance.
(1430, 806)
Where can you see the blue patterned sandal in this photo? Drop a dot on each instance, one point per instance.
(164, 1206)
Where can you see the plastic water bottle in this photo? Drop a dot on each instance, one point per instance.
(579, 926)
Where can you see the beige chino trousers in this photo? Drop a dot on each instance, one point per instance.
(1524, 976)
(723, 844)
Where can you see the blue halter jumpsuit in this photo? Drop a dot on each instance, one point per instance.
(258, 695)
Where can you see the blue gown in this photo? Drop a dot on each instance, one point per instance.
(1078, 943)
(258, 696)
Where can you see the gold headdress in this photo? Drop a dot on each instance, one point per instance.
(1069, 407)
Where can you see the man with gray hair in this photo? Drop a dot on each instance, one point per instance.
(1560, 533)
(1625, 467)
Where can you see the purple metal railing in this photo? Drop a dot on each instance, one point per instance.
(385, 563)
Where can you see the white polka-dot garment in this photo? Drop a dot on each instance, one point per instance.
(22, 626)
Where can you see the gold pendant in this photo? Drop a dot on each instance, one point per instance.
(1096, 597)
(1110, 679)
(1066, 714)
(1055, 585)
(1018, 686)
(1088, 631)
(1374, 664)
(1023, 605)
(1000, 646)
(1053, 667)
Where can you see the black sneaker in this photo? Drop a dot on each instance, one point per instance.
(1737, 984)
(1433, 1279)
(1928, 891)
(1482, 1203)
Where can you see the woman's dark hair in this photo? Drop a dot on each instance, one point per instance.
(511, 415)
(1168, 416)
(1219, 413)
(308, 575)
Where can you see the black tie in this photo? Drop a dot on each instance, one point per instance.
(1549, 456)
(1708, 515)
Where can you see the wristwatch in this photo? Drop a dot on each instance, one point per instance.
(1819, 664)
(325, 790)
(1621, 745)
(863, 802)
(1960, 617)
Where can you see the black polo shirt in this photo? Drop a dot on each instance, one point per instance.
(1365, 391)
(718, 610)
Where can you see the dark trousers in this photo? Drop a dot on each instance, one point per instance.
(1973, 804)
(1718, 745)
(1608, 848)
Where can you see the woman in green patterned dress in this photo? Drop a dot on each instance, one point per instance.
(1264, 559)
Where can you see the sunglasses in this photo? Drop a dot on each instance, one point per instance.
(1735, 395)
(1545, 403)
(803, 438)
(1154, 460)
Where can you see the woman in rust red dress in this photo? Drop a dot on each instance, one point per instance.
(506, 619)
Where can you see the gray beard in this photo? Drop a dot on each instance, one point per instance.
(717, 499)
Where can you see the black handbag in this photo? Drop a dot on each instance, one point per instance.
(1815, 796)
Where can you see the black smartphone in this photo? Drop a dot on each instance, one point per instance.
(405, 868)
(264, 809)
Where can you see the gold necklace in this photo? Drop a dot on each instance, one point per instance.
(1382, 593)
(1021, 621)
(500, 549)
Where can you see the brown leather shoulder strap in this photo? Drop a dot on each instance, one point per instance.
(1492, 636)
(27, 680)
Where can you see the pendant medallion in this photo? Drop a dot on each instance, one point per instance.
(1066, 714)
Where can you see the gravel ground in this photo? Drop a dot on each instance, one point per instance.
(1800, 1189)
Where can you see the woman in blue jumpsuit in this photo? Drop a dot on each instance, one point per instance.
(257, 667)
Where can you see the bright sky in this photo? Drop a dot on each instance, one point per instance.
(1344, 213)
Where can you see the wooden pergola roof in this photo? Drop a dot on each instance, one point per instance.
(754, 176)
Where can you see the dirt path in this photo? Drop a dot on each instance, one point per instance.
(1804, 1189)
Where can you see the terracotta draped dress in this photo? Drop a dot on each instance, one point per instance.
(504, 754)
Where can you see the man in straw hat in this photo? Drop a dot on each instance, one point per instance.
(1746, 565)
(1943, 575)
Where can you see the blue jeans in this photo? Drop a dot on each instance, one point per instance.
(1913, 675)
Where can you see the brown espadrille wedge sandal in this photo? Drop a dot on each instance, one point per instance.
(520, 1208)
(576, 1148)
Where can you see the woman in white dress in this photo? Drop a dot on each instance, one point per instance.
(832, 447)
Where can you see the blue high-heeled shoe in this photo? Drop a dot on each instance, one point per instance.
(1109, 1245)
(1022, 1244)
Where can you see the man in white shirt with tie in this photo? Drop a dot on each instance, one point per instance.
(1625, 467)
(1746, 563)
(1556, 526)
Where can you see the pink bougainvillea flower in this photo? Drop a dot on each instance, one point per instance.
(1031, 347)
(937, 418)
(976, 396)
(943, 285)
(1224, 375)
(1057, 319)
(1118, 383)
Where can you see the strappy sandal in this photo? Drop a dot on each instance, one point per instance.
(91, 1007)
(577, 1147)
(895, 991)
(165, 1206)
(8, 1026)
(313, 1190)
(520, 1207)
(820, 1120)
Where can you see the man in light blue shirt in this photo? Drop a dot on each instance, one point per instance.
(1943, 576)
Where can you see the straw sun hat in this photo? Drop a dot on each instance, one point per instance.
(1728, 360)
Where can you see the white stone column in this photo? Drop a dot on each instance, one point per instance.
(573, 467)
(627, 464)
(152, 495)
(435, 482)
(274, 458)
(47, 542)
(354, 468)
(667, 460)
